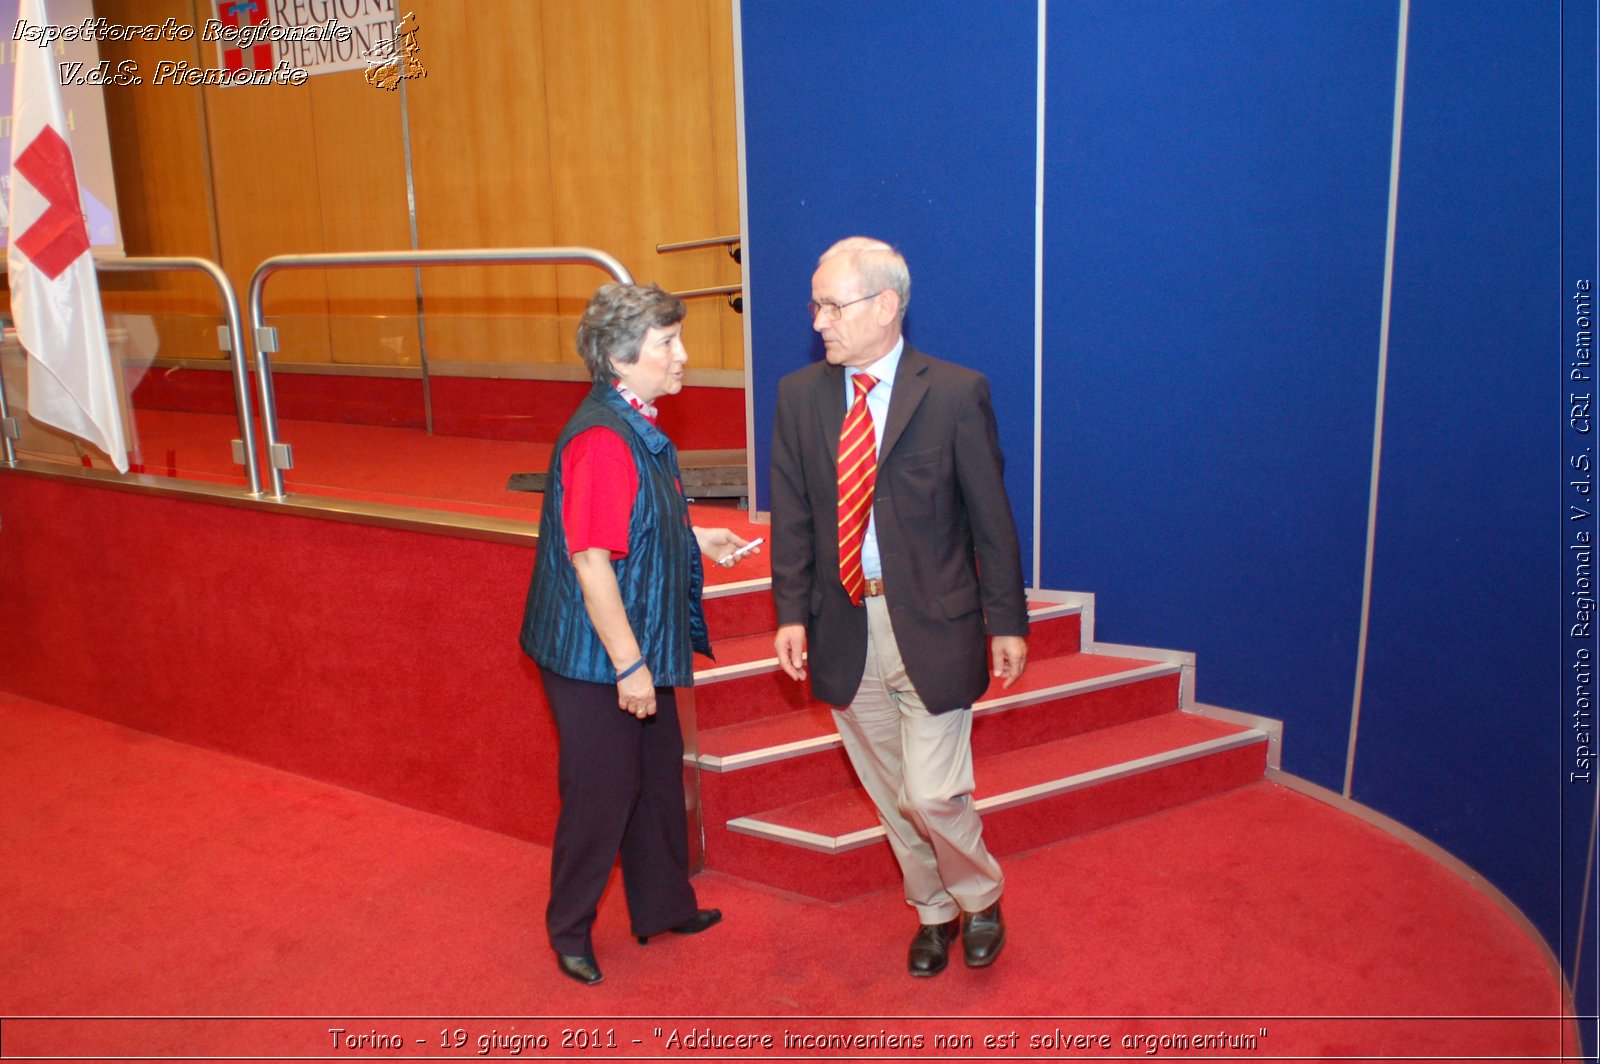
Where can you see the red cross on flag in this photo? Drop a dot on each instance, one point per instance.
(55, 299)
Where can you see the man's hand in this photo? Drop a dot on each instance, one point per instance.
(1010, 654)
(791, 647)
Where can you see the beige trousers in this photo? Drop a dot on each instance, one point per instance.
(917, 768)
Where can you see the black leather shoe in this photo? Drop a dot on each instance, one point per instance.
(693, 926)
(930, 948)
(982, 936)
(583, 969)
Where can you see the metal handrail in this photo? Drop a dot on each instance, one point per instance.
(720, 290)
(231, 342)
(733, 243)
(734, 292)
(280, 457)
(709, 242)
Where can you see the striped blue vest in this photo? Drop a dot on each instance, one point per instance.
(661, 577)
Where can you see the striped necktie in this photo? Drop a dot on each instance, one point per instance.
(858, 473)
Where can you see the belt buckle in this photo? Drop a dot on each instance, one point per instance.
(874, 587)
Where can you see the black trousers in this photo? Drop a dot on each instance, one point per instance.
(621, 785)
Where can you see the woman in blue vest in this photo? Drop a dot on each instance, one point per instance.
(613, 619)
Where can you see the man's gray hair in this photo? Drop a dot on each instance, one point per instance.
(615, 322)
(879, 265)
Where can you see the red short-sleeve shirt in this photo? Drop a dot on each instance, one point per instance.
(601, 483)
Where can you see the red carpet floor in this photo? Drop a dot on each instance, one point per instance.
(152, 881)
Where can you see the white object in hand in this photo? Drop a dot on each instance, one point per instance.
(729, 559)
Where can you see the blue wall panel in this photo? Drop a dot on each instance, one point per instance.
(912, 121)
(1461, 723)
(1214, 229)
(1214, 211)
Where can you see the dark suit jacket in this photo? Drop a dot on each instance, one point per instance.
(951, 565)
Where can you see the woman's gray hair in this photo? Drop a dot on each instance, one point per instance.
(879, 266)
(615, 322)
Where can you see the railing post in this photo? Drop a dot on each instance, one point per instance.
(8, 428)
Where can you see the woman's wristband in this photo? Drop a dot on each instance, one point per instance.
(630, 670)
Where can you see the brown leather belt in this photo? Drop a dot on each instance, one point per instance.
(874, 587)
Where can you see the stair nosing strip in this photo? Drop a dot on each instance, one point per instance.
(768, 754)
(718, 673)
(735, 587)
(806, 840)
(995, 803)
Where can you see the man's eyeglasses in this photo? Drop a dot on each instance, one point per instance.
(835, 310)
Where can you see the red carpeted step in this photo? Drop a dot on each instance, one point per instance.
(738, 609)
(736, 652)
(742, 622)
(744, 682)
(798, 752)
(1082, 740)
(825, 846)
(833, 822)
(1054, 628)
(793, 733)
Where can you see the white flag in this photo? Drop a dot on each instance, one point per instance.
(55, 298)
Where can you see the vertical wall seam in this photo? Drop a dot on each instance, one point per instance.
(1038, 301)
(1383, 377)
(208, 161)
(1583, 903)
(416, 271)
(1585, 896)
(743, 171)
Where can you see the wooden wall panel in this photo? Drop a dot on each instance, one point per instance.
(361, 178)
(608, 124)
(725, 154)
(631, 128)
(265, 171)
(480, 156)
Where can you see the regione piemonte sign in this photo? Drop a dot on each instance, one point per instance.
(316, 36)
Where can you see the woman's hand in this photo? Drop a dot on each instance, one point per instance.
(636, 693)
(719, 544)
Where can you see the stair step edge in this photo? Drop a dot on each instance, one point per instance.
(1075, 687)
(800, 747)
(764, 756)
(854, 840)
(737, 587)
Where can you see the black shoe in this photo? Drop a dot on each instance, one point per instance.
(982, 936)
(583, 969)
(930, 948)
(693, 926)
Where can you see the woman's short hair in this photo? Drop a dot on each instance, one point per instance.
(615, 322)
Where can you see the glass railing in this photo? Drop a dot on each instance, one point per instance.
(443, 411)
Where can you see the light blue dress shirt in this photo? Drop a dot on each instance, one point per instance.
(878, 406)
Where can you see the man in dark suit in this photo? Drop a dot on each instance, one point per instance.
(896, 561)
